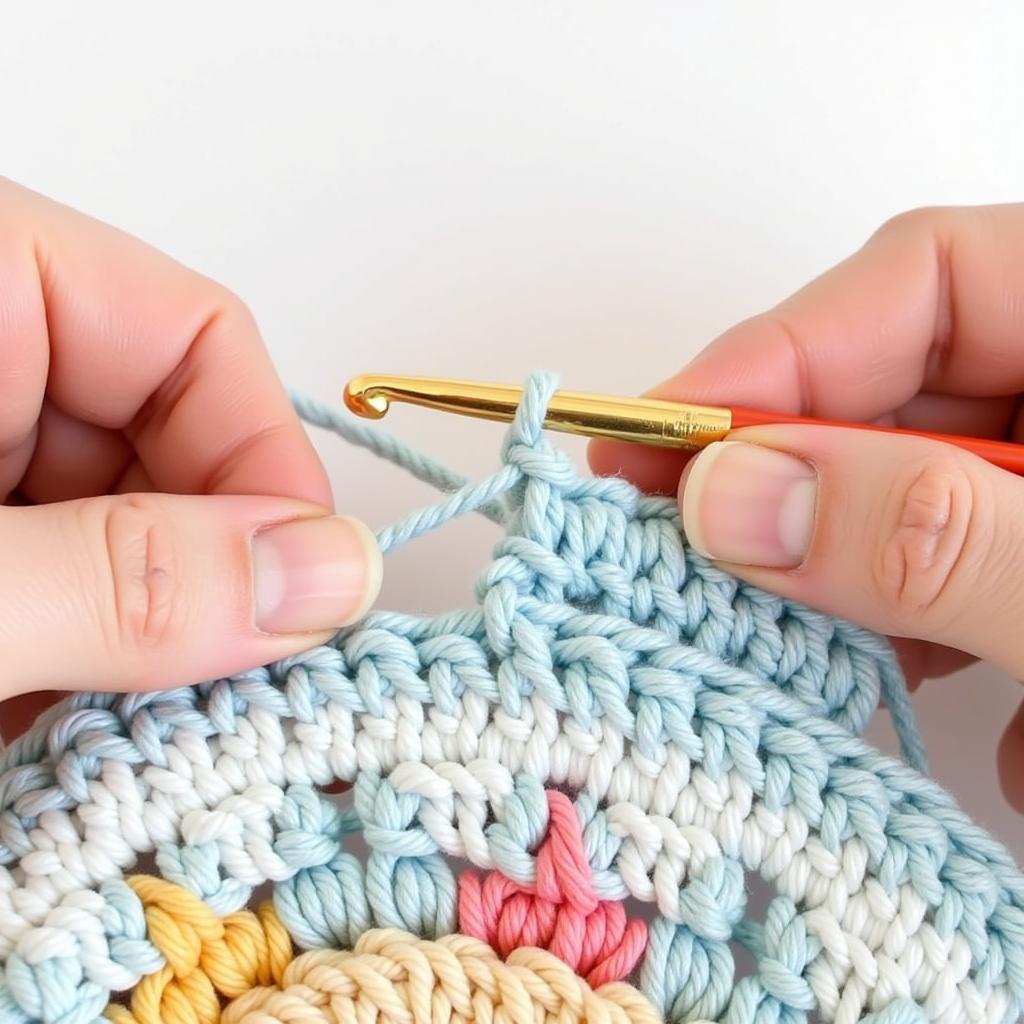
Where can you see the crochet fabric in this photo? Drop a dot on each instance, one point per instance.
(615, 720)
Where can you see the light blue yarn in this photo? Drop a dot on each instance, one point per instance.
(197, 867)
(903, 1011)
(384, 446)
(521, 825)
(325, 907)
(56, 992)
(521, 460)
(593, 603)
(324, 904)
(408, 883)
(686, 977)
(332, 899)
(125, 925)
(783, 951)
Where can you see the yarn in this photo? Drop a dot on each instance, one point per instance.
(560, 912)
(704, 729)
(394, 978)
(206, 957)
(248, 958)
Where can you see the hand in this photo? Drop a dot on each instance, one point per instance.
(165, 518)
(923, 328)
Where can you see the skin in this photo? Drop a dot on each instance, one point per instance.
(123, 372)
(922, 327)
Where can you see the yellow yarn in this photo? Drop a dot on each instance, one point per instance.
(207, 956)
(392, 977)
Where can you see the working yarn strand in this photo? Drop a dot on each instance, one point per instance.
(614, 718)
(520, 454)
(390, 448)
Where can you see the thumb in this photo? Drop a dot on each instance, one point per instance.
(146, 591)
(906, 536)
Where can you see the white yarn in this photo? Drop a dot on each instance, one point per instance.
(670, 816)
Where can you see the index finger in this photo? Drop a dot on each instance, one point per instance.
(118, 335)
(933, 302)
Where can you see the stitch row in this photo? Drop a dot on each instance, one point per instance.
(707, 728)
(237, 844)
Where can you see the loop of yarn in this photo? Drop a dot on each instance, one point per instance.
(90, 943)
(560, 912)
(247, 958)
(780, 990)
(324, 904)
(408, 884)
(206, 957)
(706, 730)
(686, 977)
(393, 978)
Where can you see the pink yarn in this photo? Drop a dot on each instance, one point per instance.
(561, 913)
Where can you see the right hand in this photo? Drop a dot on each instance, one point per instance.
(924, 328)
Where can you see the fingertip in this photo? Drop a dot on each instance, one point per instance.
(688, 516)
(749, 505)
(374, 579)
(314, 573)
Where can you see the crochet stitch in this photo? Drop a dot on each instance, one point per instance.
(397, 978)
(560, 912)
(698, 728)
(204, 957)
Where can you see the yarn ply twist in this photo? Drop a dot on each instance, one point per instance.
(560, 912)
(205, 957)
(393, 978)
(703, 730)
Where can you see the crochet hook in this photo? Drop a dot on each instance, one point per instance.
(646, 421)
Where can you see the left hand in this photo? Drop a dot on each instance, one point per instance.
(164, 518)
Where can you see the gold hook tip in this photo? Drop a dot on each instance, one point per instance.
(364, 397)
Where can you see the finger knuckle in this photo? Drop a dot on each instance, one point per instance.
(144, 573)
(927, 558)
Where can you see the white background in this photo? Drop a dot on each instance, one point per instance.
(482, 189)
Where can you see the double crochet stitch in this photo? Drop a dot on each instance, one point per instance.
(615, 719)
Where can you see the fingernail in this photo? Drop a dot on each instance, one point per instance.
(314, 574)
(749, 505)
